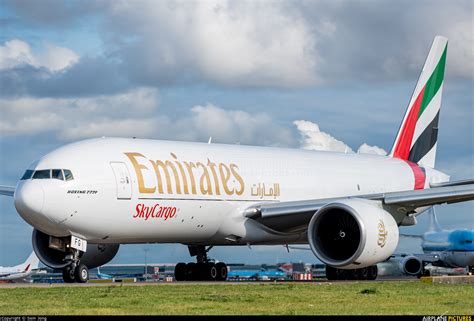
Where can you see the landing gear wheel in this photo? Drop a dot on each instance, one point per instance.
(208, 272)
(180, 272)
(81, 273)
(192, 272)
(221, 271)
(331, 273)
(363, 274)
(372, 272)
(68, 274)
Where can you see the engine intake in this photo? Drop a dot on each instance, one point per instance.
(95, 255)
(412, 265)
(352, 234)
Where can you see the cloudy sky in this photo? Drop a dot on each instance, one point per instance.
(301, 74)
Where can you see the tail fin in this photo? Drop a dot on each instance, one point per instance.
(434, 225)
(31, 262)
(417, 138)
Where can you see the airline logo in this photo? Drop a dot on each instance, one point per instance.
(156, 211)
(382, 239)
(189, 178)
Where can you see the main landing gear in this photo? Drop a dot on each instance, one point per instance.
(367, 273)
(203, 270)
(75, 271)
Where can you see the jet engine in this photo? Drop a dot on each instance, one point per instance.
(54, 257)
(411, 265)
(352, 234)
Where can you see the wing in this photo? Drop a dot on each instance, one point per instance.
(294, 216)
(7, 190)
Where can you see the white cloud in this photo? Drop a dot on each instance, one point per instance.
(136, 114)
(312, 138)
(367, 149)
(82, 117)
(231, 43)
(16, 52)
(279, 44)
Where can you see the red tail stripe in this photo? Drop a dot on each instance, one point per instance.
(402, 150)
(420, 175)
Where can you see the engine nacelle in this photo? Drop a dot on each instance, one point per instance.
(352, 234)
(411, 265)
(96, 254)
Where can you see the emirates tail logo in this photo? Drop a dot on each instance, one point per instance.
(382, 234)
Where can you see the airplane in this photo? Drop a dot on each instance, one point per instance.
(86, 198)
(257, 275)
(103, 276)
(20, 272)
(441, 248)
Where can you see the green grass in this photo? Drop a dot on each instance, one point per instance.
(258, 298)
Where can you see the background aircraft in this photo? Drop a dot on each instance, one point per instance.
(20, 272)
(442, 248)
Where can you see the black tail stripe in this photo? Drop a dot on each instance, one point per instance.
(425, 141)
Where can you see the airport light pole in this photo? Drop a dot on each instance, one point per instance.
(146, 265)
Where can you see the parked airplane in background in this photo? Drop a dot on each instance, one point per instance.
(20, 272)
(257, 275)
(103, 276)
(85, 199)
(443, 248)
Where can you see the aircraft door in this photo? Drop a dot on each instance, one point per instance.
(123, 180)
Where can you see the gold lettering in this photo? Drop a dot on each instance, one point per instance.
(183, 175)
(225, 176)
(205, 179)
(164, 166)
(189, 167)
(214, 174)
(234, 169)
(138, 170)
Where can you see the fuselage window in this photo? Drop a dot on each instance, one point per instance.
(42, 174)
(28, 174)
(68, 175)
(57, 174)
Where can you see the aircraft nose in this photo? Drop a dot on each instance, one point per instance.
(29, 200)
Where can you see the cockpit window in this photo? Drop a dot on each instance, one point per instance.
(42, 174)
(68, 175)
(28, 174)
(57, 174)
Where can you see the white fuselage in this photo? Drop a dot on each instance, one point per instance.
(136, 191)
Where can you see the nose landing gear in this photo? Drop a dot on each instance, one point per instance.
(75, 271)
(204, 270)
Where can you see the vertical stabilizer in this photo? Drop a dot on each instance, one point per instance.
(31, 262)
(417, 138)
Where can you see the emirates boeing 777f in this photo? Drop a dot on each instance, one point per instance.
(87, 198)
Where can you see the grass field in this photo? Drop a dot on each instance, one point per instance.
(258, 298)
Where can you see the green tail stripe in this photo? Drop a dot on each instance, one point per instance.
(434, 82)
